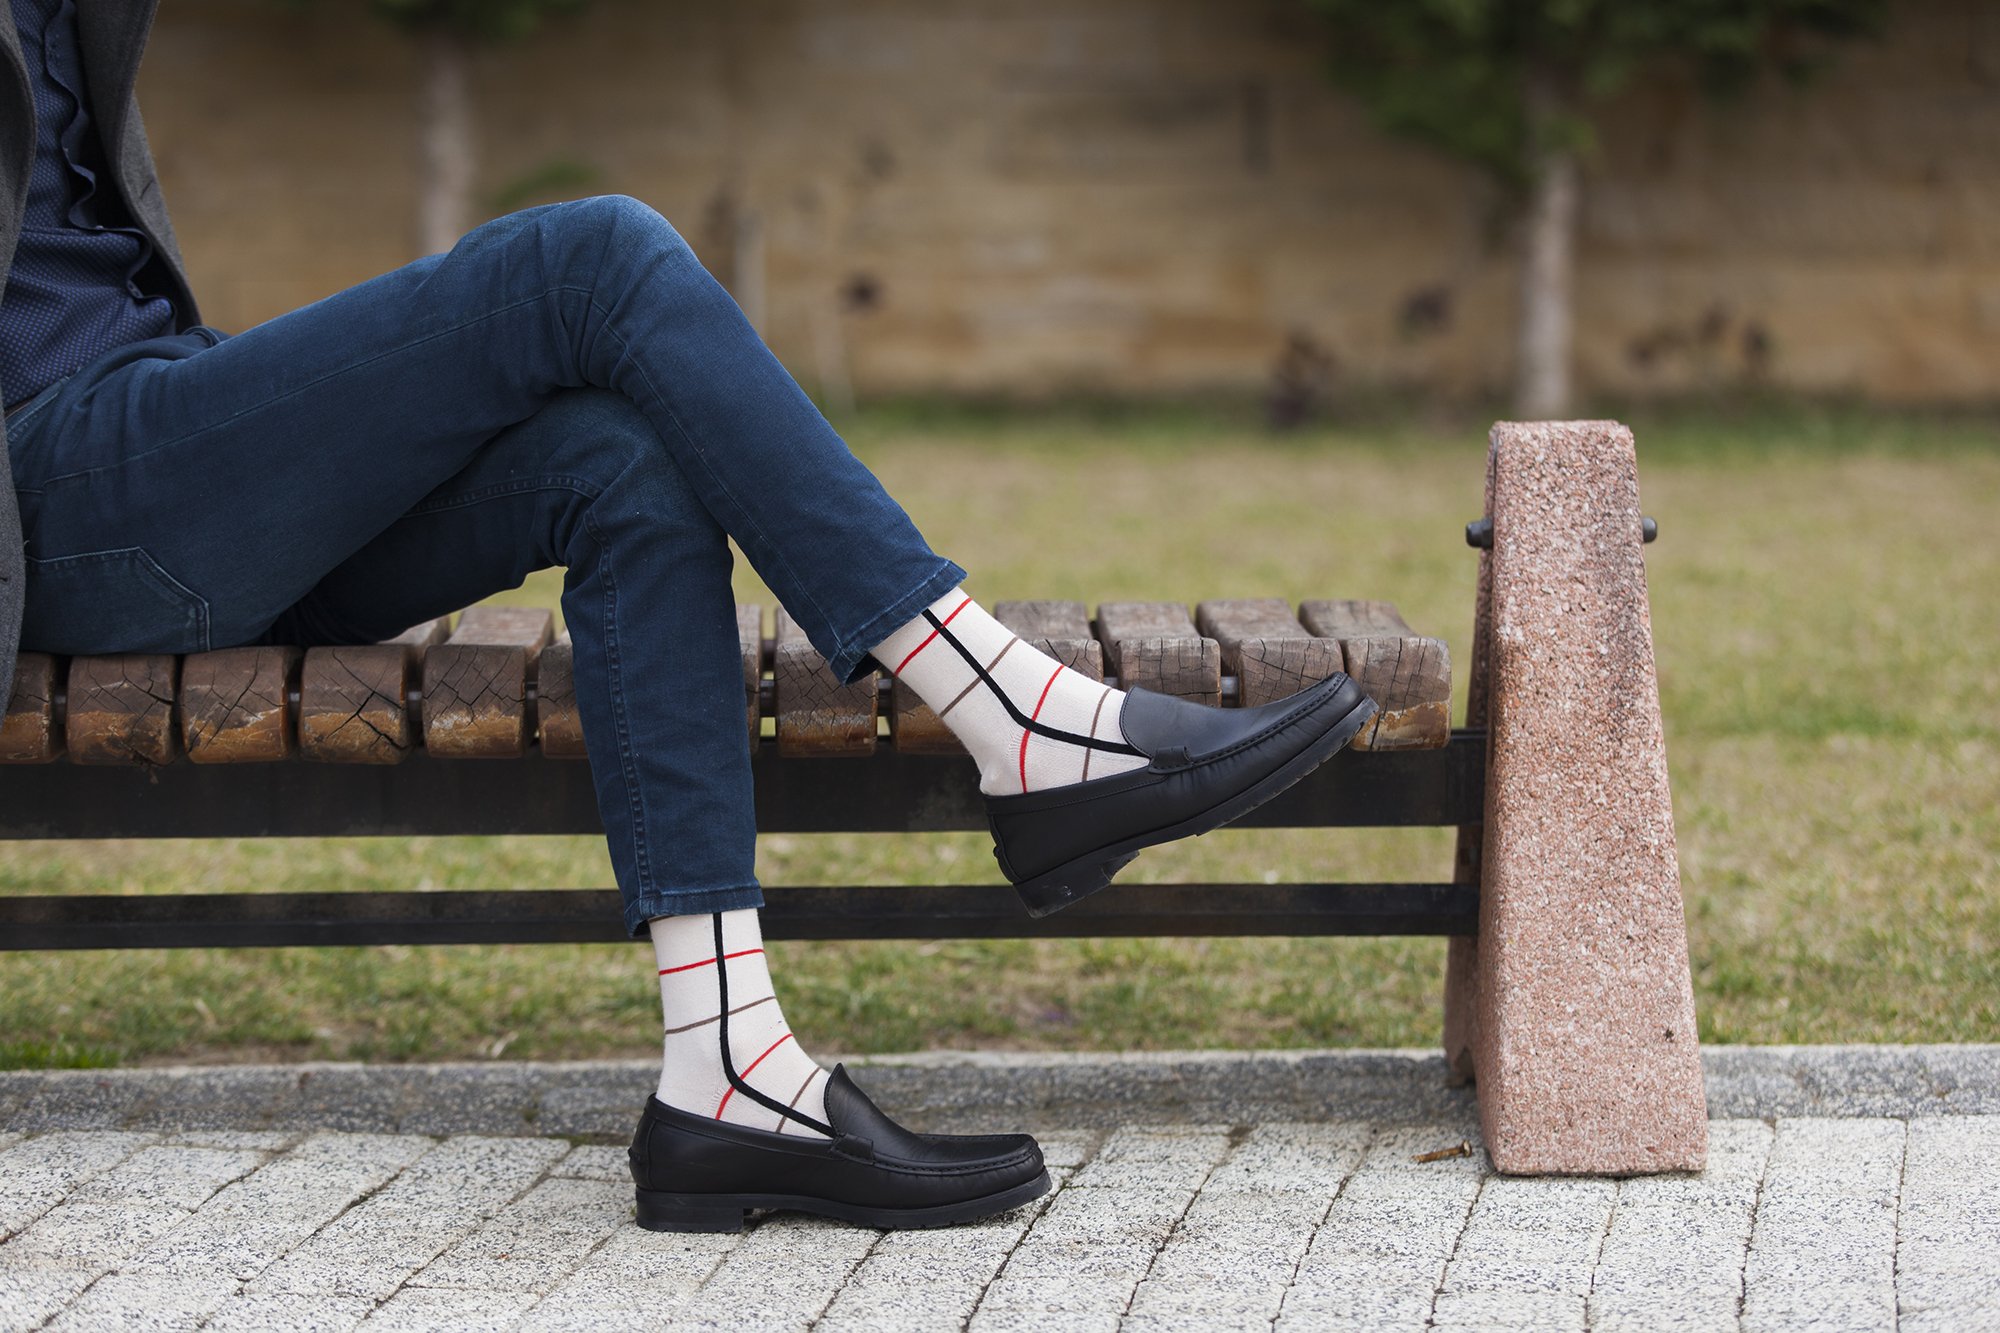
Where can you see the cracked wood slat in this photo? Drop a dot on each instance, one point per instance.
(1265, 647)
(236, 704)
(559, 725)
(750, 647)
(1155, 645)
(476, 682)
(121, 709)
(354, 698)
(1060, 629)
(914, 725)
(818, 717)
(354, 702)
(1406, 674)
(29, 733)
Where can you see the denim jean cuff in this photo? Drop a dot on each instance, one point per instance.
(640, 910)
(853, 662)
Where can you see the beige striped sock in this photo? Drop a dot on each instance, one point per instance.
(1029, 721)
(722, 1019)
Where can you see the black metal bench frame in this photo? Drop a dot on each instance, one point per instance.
(885, 793)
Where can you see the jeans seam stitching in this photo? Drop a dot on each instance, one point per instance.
(501, 490)
(635, 797)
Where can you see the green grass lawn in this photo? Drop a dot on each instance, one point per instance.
(1824, 607)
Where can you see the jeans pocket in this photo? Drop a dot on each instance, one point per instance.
(18, 415)
(110, 602)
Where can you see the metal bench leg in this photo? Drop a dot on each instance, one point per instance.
(1576, 1007)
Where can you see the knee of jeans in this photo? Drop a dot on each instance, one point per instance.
(619, 220)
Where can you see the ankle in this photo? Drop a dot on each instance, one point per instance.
(727, 1052)
(1029, 721)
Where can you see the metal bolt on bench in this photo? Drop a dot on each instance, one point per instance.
(1567, 990)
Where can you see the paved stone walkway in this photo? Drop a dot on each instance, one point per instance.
(1848, 1188)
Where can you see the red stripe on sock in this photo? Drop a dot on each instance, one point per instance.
(928, 637)
(708, 962)
(745, 1075)
(1035, 716)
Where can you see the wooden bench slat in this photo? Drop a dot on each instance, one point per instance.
(424, 635)
(502, 680)
(236, 704)
(1155, 645)
(354, 701)
(30, 732)
(1406, 674)
(1355, 619)
(527, 627)
(121, 709)
(1059, 628)
(1265, 647)
(750, 647)
(818, 717)
(476, 682)
(914, 726)
(558, 725)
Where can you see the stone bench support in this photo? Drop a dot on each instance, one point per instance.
(1573, 1009)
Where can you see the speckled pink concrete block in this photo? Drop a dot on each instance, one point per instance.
(1582, 1026)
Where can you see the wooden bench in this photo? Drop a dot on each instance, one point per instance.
(399, 738)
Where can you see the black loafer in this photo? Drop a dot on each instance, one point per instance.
(1209, 766)
(698, 1174)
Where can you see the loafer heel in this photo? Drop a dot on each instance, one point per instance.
(1058, 889)
(661, 1211)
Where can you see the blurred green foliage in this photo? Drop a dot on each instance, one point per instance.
(1500, 82)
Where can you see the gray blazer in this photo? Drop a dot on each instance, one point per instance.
(113, 36)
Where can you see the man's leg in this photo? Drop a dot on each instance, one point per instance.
(351, 409)
(585, 484)
(646, 598)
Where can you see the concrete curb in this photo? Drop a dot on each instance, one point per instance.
(964, 1091)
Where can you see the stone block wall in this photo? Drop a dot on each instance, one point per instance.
(1027, 197)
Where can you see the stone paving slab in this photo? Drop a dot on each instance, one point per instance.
(212, 1201)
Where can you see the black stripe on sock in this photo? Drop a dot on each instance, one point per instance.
(1022, 720)
(729, 1069)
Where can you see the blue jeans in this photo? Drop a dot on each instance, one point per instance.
(566, 386)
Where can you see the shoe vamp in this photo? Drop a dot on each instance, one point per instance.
(1159, 724)
(1039, 841)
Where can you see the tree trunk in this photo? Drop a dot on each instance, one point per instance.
(444, 191)
(1542, 366)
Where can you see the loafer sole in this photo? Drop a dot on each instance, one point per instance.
(1075, 880)
(660, 1210)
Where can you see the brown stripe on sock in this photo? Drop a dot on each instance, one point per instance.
(704, 1022)
(1094, 715)
(794, 1102)
(975, 680)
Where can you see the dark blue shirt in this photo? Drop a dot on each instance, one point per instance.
(74, 290)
